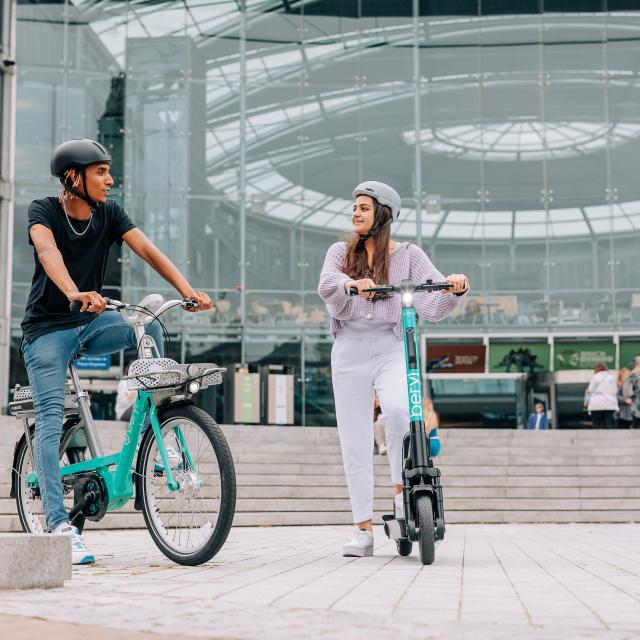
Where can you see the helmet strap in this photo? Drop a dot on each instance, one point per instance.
(377, 227)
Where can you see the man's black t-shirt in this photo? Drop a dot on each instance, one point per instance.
(85, 257)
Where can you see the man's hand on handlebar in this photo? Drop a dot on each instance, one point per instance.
(202, 300)
(365, 283)
(89, 301)
(460, 283)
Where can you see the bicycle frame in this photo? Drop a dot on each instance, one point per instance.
(116, 469)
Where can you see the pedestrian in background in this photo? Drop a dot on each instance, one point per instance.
(624, 415)
(602, 397)
(378, 427)
(125, 398)
(631, 391)
(538, 419)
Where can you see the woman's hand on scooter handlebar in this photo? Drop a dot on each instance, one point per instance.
(356, 287)
(197, 301)
(87, 301)
(460, 283)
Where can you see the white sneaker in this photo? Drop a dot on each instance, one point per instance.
(382, 450)
(398, 506)
(80, 553)
(360, 546)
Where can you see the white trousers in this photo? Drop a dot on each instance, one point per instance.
(360, 366)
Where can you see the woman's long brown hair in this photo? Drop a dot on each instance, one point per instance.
(356, 262)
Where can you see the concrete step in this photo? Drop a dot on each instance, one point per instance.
(295, 476)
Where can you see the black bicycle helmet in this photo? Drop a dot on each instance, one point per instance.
(79, 154)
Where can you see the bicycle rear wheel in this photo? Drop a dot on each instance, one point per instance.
(29, 501)
(191, 524)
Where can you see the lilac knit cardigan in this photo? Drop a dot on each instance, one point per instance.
(407, 262)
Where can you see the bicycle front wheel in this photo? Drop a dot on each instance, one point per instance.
(189, 525)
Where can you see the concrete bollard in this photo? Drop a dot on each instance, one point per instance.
(30, 561)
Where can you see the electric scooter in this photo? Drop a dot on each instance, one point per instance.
(423, 520)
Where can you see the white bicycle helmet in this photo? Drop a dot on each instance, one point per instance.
(382, 192)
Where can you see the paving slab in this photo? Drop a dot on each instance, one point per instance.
(498, 582)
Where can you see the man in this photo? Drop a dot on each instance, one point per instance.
(71, 235)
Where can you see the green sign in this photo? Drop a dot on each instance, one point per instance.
(519, 358)
(628, 351)
(584, 355)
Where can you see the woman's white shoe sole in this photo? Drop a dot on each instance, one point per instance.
(357, 552)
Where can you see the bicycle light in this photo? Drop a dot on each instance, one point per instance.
(193, 386)
(193, 369)
(407, 298)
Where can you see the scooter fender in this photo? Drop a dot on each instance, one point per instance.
(437, 507)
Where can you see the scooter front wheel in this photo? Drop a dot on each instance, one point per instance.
(427, 542)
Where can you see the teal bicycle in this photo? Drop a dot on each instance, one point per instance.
(423, 520)
(174, 462)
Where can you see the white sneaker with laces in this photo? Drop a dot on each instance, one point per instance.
(80, 553)
(360, 546)
(398, 506)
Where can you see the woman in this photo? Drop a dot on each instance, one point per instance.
(602, 397)
(368, 352)
(624, 416)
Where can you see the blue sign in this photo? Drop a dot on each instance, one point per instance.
(94, 362)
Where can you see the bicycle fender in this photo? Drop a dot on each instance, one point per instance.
(420, 489)
(19, 442)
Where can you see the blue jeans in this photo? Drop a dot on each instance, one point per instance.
(47, 359)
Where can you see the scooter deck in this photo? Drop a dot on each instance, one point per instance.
(394, 529)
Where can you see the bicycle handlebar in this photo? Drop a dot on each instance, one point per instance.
(116, 305)
(427, 286)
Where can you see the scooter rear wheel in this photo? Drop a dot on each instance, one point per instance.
(427, 543)
(404, 547)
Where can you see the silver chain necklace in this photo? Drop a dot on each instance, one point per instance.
(78, 233)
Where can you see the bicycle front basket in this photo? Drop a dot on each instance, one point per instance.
(153, 373)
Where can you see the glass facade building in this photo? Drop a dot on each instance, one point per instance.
(239, 129)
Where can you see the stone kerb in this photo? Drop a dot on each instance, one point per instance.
(34, 561)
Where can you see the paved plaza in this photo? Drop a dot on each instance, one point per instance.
(285, 583)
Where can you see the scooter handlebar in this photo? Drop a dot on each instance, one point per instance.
(397, 288)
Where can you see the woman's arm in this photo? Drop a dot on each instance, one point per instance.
(331, 286)
(433, 306)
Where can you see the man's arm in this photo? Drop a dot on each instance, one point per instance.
(51, 260)
(145, 249)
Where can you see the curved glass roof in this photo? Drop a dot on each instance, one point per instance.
(523, 140)
(324, 112)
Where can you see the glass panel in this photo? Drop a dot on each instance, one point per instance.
(527, 143)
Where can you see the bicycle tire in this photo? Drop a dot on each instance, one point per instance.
(226, 512)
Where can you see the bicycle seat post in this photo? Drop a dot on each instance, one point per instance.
(91, 433)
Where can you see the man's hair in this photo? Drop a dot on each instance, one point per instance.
(75, 177)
